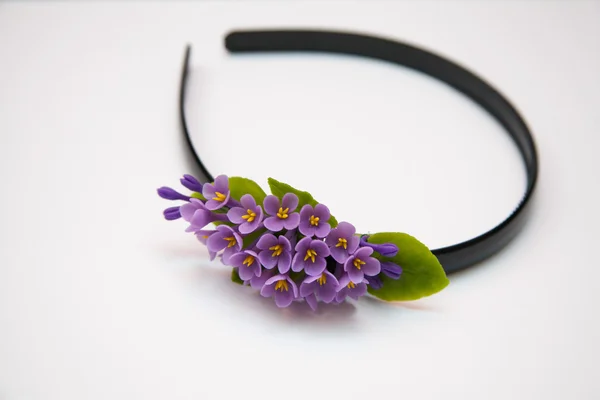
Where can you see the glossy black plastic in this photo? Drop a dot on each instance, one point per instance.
(454, 257)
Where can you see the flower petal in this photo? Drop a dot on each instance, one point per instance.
(274, 224)
(371, 267)
(322, 230)
(248, 201)
(200, 219)
(363, 253)
(298, 263)
(289, 200)
(292, 221)
(303, 245)
(271, 204)
(235, 215)
(294, 287)
(353, 242)
(327, 292)
(358, 291)
(221, 184)
(285, 262)
(315, 268)
(237, 259)
(339, 254)
(267, 260)
(283, 298)
(188, 209)
(306, 212)
(311, 300)
(267, 240)
(246, 272)
(356, 276)
(257, 282)
(208, 191)
(343, 282)
(306, 228)
(283, 241)
(267, 290)
(275, 278)
(322, 212)
(306, 289)
(320, 247)
(216, 242)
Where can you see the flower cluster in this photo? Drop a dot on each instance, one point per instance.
(287, 251)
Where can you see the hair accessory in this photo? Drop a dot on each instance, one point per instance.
(289, 246)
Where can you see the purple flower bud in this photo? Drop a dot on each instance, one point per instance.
(172, 213)
(191, 183)
(391, 270)
(170, 194)
(374, 282)
(385, 249)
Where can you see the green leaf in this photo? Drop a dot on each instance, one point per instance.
(422, 273)
(235, 277)
(251, 237)
(241, 186)
(198, 196)
(279, 189)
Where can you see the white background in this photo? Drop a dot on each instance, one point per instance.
(102, 299)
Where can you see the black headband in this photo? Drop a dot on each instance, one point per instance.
(453, 257)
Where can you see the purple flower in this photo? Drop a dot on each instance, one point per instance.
(191, 183)
(342, 241)
(282, 288)
(196, 214)
(171, 194)
(224, 238)
(257, 282)
(324, 286)
(203, 236)
(385, 249)
(275, 251)
(310, 256)
(391, 269)
(348, 288)
(311, 300)
(313, 221)
(217, 194)
(282, 215)
(248, 216)
(172, 213)
(374, 282)
(292, 237)
(247, 263)
(360, 264)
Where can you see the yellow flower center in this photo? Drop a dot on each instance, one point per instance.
(219, 197)
(351, 285)
(249, 216)
(314, 221)
(231, 241)
(281, 285)
(310, 253)
(277, 249)
(358, 263)
(322, 279)
(283, 212)
(342, 243)
(248, 261)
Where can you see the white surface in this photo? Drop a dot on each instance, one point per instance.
(100, 298)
